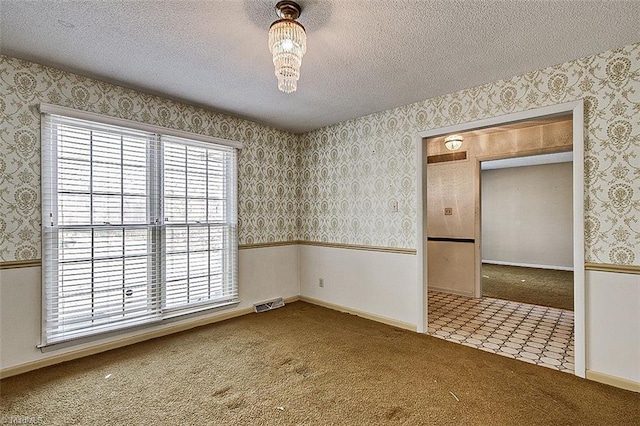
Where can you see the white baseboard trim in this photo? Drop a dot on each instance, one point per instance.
(447, 290)
(528, 265)
(613, 381)
(126, 341)
(356, 312)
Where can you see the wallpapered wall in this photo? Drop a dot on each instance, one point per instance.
(336, 184)
(267, 166)
(352, 170)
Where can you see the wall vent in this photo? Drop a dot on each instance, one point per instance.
(443, 158)
(269, 305)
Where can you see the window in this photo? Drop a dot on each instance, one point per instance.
(138, 226)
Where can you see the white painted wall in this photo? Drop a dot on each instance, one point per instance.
(527, 215)
(377, 283)
(613, 324)
(264, 273)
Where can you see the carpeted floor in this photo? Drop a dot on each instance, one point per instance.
(543, 287)
(307, 365)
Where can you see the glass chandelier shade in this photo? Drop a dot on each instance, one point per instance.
(287, 44)
(453, 142)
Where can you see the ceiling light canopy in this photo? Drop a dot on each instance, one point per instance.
(453, 142)
(287, 44)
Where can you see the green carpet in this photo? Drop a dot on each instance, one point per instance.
(543, 287)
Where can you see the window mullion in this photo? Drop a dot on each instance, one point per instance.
(227, 262)
(157, 276)
(93, 291)
(186, 215)
(206, 203)
(124, 234)
(162, 229)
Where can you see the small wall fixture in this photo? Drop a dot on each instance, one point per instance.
(453, 142)
(287, 44)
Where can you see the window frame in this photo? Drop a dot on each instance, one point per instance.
(154, 201)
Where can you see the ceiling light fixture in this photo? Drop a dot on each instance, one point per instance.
(453, 142)
(287, 44)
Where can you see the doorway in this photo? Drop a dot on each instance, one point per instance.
(575, 111)
(526, 234)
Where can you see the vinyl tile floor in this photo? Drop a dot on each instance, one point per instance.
(534, 334)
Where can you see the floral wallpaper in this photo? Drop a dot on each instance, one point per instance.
(338, 184)
(352, 171)
(267, 165)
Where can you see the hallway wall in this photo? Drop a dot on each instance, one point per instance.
(527, 216)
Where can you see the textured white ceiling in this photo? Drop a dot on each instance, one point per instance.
(363, 55)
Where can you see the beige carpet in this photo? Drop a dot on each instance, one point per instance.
(543, 287)
(306, 365)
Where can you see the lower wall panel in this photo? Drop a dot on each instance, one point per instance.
(377, 283)
(264, 273)
(367, 315)
(384, 285)
(613, 324)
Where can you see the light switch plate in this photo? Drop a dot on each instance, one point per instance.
(448, 211)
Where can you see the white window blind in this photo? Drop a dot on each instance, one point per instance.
(137, 227)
